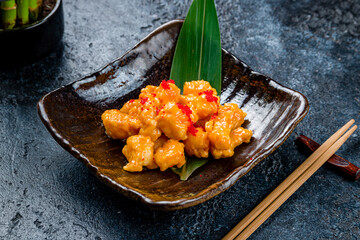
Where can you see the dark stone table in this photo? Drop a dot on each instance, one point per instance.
(310, 46)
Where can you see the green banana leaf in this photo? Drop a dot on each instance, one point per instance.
(197, 57)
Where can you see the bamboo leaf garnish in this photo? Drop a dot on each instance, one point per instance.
(202, 41)
(191, 165)
(198, 50)
(197, 57)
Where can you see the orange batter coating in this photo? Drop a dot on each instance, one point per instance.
(201, 98)
(145, 109)
(173, 122)
(139, 151)
(198, 145)
(221, 130)
(196, 87)
(132, 108)
(162, 125)
(167, 92)
(240, 135)
(201, 106)
(119, 125)
(170, 154)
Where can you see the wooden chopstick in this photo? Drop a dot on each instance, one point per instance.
(293, 187)
(284, 185)
(270, 198)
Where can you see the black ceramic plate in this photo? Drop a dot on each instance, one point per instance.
(72, 115)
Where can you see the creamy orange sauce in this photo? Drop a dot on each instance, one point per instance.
(162, 125)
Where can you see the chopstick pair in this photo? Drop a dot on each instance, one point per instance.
(277, 197)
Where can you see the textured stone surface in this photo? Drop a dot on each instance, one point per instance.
(310, 46)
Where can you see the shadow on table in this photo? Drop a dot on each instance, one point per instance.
(39, 71)
(29, 83)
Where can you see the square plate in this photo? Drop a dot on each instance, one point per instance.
(72, 114)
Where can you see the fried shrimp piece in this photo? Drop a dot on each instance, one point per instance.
(148, 112)
(189, 101)
(170, 154)
(139, 151)
(203, 105)
(145, 109)
(173, 121)
(150, 130)
(148, 97)
(201, 98)
(198, 145)
(196, 87)
(240, 135)
(132, 108)
(220, 128)
(167, 92)
(149, 89)
(119, 125)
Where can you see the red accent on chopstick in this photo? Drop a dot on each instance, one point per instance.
(340, 163)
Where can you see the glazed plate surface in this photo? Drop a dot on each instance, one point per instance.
(72, 114)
